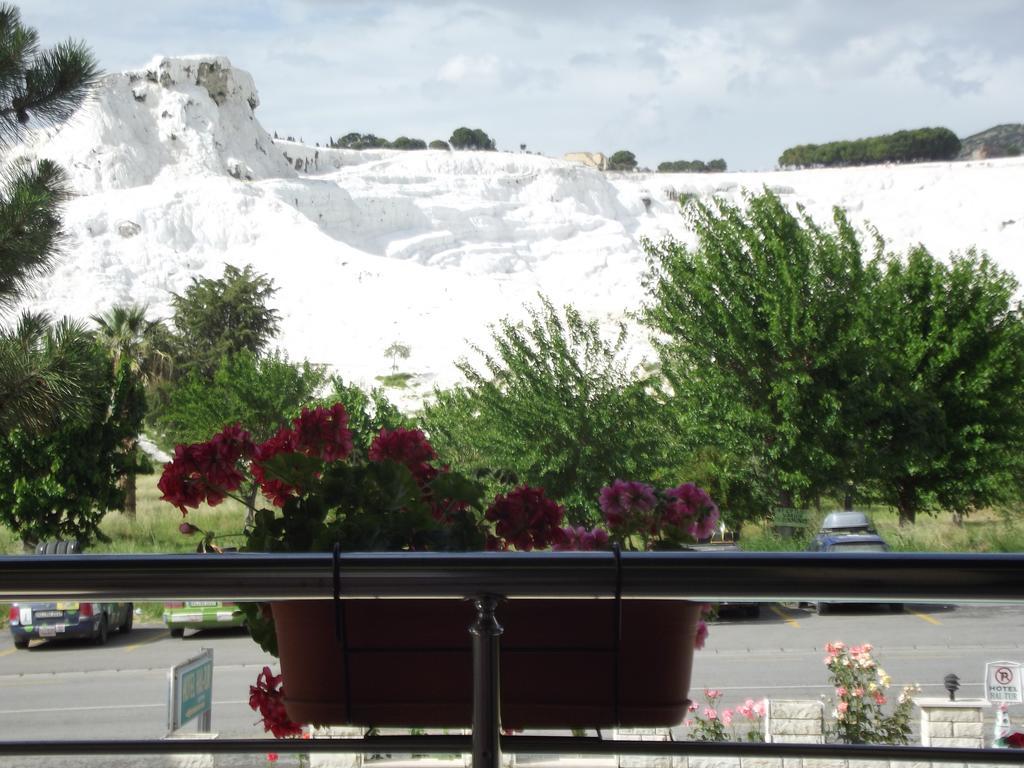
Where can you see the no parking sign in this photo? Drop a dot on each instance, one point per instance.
(1002, 682)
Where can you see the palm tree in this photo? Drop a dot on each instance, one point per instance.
(135, 341)
(136, 350)
(41, 367)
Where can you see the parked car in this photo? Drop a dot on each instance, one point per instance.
(840, 541)
(63, 620)
(847, 521)
(201, 614)
(746, 607)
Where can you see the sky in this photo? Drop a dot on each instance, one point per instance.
(740, 80)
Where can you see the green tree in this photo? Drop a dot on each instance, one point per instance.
(623, 160)
(901, 147)
(404, 142)
(262, 393)
(762, 328)
(220, 317)
(397, 350)
(60, 484)
(949, 417)
(439, 144)
(42, 87)
(555, 406)
(470, 138)
(136, 347)
(368, 412)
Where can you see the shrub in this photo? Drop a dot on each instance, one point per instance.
(860, 686)
(742, 723)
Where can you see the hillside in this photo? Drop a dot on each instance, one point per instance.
(1001, 141)
(175, 177)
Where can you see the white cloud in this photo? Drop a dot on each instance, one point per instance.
(464, 67)
(665, 79)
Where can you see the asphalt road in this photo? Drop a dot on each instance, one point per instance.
(79, 691)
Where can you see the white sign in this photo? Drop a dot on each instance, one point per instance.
(1002, 682)
(190, 692)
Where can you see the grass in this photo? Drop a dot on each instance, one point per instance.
(396, 380)
(154, 529)
(989, 530)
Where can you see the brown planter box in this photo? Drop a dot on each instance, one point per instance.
(410, 662)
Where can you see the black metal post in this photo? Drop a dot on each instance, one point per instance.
(486, 633)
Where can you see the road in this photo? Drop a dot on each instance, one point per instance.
(78, 691)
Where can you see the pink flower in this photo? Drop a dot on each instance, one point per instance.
(622, 499)
(187, 529)
(710, 713)
(712, 693)
(686, 501)
(842, 707)
(879, 698)
(701, 636)
(841, 691)
(579, 539)
(726, 717)
(858, 691)
(761, 708)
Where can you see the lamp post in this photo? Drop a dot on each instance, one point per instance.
(952, 683)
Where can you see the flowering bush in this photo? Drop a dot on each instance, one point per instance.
(860, 686)
(396, 497)
(742, 723)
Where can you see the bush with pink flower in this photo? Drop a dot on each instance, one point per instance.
(712, 722)
(861, 693)
(321, 491)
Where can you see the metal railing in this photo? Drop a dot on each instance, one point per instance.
(700, 576)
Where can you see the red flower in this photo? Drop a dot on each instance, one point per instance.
(324, 432)
(206, 471)
(1014, 740)
(267, 698)
(408, 447)
(284, 441)
(526, 519)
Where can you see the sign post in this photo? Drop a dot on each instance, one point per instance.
(1002, 682)
(190, 692)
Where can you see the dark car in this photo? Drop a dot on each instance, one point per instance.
(847, 521)
(838, 541)
(747, 608)
(64, 620)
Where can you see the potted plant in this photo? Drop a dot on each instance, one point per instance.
(407, 662)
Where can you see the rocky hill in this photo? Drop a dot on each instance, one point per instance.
(174, 177)
(1005, 140)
